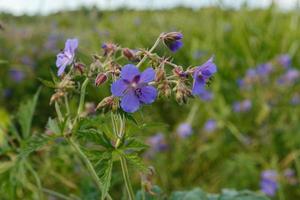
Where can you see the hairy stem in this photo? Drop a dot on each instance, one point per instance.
(126, 178)
(150, 51)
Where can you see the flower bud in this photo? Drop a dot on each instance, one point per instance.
(106, 103)
(172, 40)
(100, 79)
(80, 67)
(109, 48)
(178, 71)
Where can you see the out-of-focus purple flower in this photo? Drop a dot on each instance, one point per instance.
(201, 76)
(268, 182)
(66, 57)
(133, 88)
(51, 43)
(16, 75)
(210, 126)
(184, 130)
(173, 40)
(242, 106)
(295, 99)
(157, 142)
(264, 69)
(290, 176)
(290, 77)
(285, 60)
(26, 60)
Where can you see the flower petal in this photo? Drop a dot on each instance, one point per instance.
(147, 75)
(209, 66)
(118, 88)
(61, 70)
(71, 45)
(147, 94)
(62, 59)
(129, 72)
(198, 86)
(175, 45)
(130, 103)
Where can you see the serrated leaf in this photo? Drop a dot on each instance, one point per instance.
(136, 161)
(25, 114)
(133, 144)
(47, 83)
(34, 143)
(95, 136)
(106, 178)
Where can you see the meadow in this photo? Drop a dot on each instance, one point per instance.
(242, 136)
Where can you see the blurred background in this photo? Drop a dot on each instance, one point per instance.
(248, 127)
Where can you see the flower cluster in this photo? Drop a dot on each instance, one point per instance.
(131, 86)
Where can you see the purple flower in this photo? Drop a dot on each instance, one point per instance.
(290, 176)
(242, 106)
(210, 125)
(133, 88)
(201, 76)
(16, 75)
(295, 99)
(264, 69)
(66, 57)
(268, 183)
(289, 77)
(285, 60)
(173, 40)
(184, 130)
(157, 142)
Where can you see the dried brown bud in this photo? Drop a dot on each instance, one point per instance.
(106, 103)
(109, 48)
(164, 89)
(80, 67)
(56, 96)
(182, 92)
(178, 71)
(160, 74)
(100, 79)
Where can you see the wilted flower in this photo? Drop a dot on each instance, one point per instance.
(16, 75)
(285, 60)
(268, 183)
(157, 142)
(133, 88)
(290, 176)
(184, 130)
(201, 76)
(66, 57)
(173, 40)
(242, 106)
(295, 99)
(210, 125)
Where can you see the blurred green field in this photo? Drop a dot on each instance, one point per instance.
(233, 156)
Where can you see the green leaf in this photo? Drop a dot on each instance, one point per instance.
(95, 136)
(106, 178)
(240, 195)
(134, 144)
(3, 61)
(34, 143)
(136, 161)
(25, 114)
(47, 83)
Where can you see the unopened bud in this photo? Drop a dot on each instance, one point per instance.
(100, 79)
(109, 48)
(178, 71)
(106, 103)
(80, 67)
